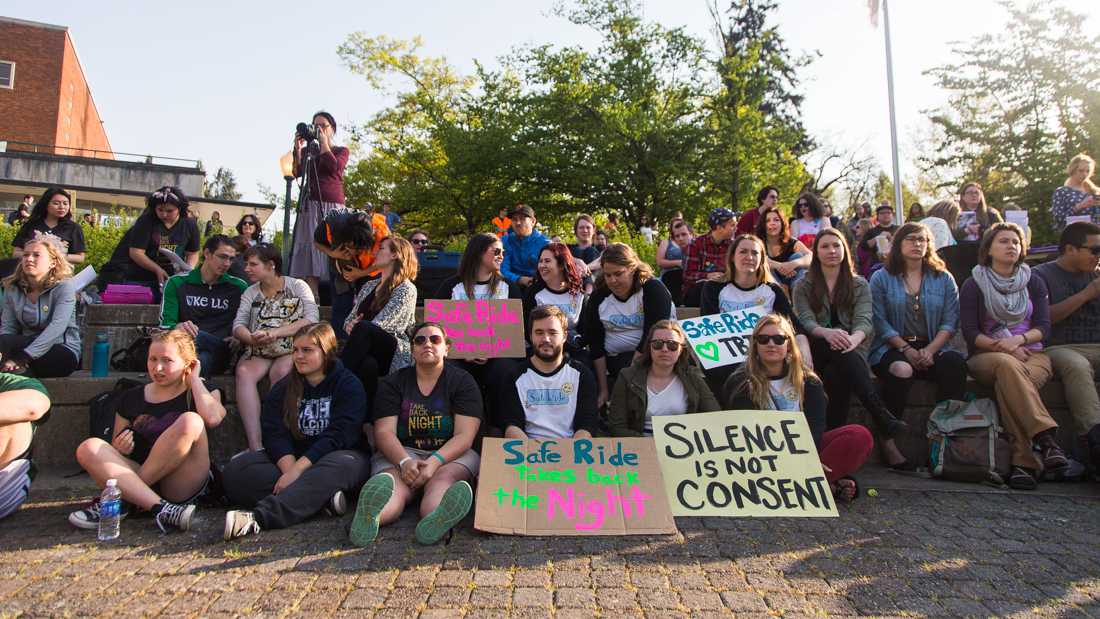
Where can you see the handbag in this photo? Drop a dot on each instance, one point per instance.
(274, 313)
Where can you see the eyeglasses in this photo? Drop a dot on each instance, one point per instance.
(224, 257)
(497, 251)
(420, 241)
(917, 240)
(420, 340)
(778, 340)
(1095, 249)
(669, 345)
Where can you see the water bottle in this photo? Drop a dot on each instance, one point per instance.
(110, 507)
(101, 354)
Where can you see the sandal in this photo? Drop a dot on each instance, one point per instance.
(845, 492)
(1022, 479)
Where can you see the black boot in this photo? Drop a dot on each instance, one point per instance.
(887, 424)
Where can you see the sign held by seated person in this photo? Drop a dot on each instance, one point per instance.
(722, 339)
(742, 463)
(481, 329)
(603, 486)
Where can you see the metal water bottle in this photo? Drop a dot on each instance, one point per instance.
(101, 354)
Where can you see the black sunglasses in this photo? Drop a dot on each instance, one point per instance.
(1095, 249)
(420, 340)
(420, 241)
(778, 340)
(670, 345)
(498, 251)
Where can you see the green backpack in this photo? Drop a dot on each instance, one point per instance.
(966, 442)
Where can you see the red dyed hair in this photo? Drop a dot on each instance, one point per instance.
(565, 260)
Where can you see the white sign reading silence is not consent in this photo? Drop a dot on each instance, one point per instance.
(722, 339)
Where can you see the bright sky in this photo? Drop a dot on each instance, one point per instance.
(226, 82)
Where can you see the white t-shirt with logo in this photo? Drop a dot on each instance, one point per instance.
(570, 304)
(732, 298)
(783, 394)
(672, 400)
(552, 405)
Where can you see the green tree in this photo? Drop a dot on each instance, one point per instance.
(1022, 102)
(223, 187)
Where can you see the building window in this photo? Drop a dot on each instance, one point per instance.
(7, 74)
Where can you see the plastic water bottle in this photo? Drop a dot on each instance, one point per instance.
(101, 354)
(110, 507)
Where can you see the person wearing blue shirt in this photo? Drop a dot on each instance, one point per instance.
(522, 247)
(392, 218)
(915, 309)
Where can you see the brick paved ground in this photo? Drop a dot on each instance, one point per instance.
(906, 552)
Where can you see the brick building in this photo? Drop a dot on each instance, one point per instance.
(44, 97)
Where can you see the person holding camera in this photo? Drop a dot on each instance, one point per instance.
(320, 164)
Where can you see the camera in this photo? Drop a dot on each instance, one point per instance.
(307, 132)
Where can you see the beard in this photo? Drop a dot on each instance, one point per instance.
(551, 356)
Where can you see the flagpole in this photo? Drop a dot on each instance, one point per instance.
(899, 208)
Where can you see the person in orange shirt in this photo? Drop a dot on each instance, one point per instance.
(351, 239)
(502, 222)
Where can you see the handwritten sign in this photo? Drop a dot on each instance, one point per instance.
(722, 339)
(741, 463)
(480, 329)
(603, 486)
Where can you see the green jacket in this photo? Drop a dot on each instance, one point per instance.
(212, 307)
(858, 317)
(629, 399)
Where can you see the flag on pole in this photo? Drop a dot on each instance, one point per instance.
(872, 7)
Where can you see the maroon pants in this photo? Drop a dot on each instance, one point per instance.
(844, 450)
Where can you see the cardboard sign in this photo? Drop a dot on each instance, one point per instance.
(722, 339)
(602, 486)
(480, 329)
(742, 463)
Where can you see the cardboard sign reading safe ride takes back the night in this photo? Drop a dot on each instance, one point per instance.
(722, 339)
(484, 329)
(603, 486)
(742, 463)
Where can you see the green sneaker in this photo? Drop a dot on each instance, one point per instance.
(453, 507)
(372, 498)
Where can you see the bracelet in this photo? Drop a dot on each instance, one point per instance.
(401, 465)
(439, 457)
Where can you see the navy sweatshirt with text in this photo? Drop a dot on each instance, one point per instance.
(330, 417)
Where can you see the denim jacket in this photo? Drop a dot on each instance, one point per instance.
(939, 298)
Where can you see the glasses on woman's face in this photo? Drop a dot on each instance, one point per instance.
(916, 240)
(670, 345)
(420, 242)
(420, 340)
(778, 339)
(497, 251)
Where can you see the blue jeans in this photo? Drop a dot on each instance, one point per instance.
(213, 354)
(790, 280)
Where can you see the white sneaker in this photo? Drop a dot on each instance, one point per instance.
(337, 504)
(239, 523)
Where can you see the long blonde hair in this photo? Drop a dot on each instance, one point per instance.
(1077, 160)
(61, 269)
(325, 338)
(757, 381)
(404, 270)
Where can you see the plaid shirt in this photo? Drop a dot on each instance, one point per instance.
(704, 255)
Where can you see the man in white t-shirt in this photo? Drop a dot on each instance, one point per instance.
(554, 397)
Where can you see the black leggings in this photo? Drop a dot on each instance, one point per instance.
(56, 363)
(948, 371)
(368, 353)
(844, 373)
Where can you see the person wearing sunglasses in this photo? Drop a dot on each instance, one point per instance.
(426, 419)
(204, 303)
(664, 381)
(915, 308)
(775, 378)
(1074, 344)
(419, 240)
(554, 396)
(833, 304)
(748, 284)
(1005, 316)
(808, 219)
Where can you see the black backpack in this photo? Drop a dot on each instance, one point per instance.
(135, 357)
(102, 409)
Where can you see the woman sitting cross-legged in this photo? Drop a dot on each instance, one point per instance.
(1005, 316)
(159, 453)
(664, 381)
(834, 306)
(39, 335)
(384, 309)
(774, 378)
(312, 432)
(916, 313)
(426, 420)
(272, 310)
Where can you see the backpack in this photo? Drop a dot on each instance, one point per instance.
(135, 357)
(102, 409)
(966, 442)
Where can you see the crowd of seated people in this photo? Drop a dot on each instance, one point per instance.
(388, 418)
